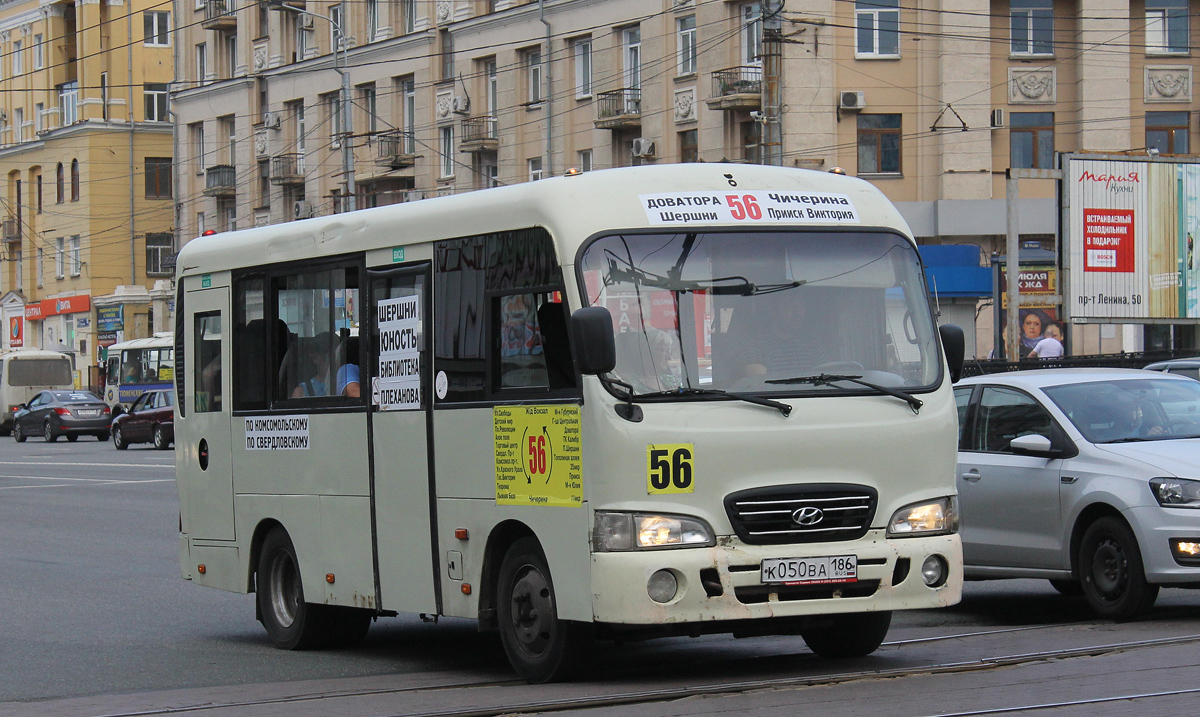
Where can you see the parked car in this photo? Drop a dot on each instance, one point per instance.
(150, 419)
(1189, 367)
(1088, 477)
(51, 414)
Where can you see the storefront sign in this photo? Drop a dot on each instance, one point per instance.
(78, 304)
(16, 331)
(110, 318)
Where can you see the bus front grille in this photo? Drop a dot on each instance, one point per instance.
(801, 513)
(754, 594)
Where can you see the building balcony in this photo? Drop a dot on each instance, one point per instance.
(479, 134)
(220, 181)
(219, 15)
(736, 88)
(11, 230)
(617, 109)
(397, 149)
(287, 168)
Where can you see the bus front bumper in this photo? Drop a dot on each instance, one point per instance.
(724, 582)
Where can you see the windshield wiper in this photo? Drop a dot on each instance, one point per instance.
(717, 286)
(1141, 439)
(828, 379)
(783, 408)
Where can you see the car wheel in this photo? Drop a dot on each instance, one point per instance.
(540, 646)
(1070, 588)
(48, 433)
(72, 437)
(160, 439)
(291, 623)
(849, 635)
(1110, 565)
(118, 439)
(18, 434)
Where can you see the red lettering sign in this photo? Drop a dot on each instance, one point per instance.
(1108, 240)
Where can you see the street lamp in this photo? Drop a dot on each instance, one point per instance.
(344, 70)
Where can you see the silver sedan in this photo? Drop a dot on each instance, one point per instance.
(1087, 477)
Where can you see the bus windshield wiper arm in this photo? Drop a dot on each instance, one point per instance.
(828, 379)
(783, 408)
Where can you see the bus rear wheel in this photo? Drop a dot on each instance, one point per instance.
(540, 646)
(291, 623)
(849, 635)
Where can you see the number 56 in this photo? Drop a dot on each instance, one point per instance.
(669, 468)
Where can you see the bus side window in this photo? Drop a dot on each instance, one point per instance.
(208, 362)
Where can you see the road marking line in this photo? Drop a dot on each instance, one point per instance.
(76, 485)
(103, 465)
(105, 481)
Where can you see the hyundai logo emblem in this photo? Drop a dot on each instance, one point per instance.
(807, 515)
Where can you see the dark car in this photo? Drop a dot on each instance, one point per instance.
(1189, 367)
(150, 419)
(62, 413)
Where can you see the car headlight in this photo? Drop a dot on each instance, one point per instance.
(1176, 492)
(922, 519)
(615, 532)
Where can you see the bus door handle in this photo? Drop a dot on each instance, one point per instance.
(971, 476)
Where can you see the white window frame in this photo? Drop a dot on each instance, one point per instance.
(76, 256)
(446, 151)
(39, 53)
(372, 19)
(535, 168)
(409, 113)
(19, 124)
(533, 75)
(158, 99)
(370, 106)
(752, 34)
(201, 63)
(41, 261)
(1024, 16)
(60, 258)
(68, 102)
(632, 54)
(585, 160)
(1159, 23)
(231, 53)
(197, 139)
(160, 28)
(583, 68)
(876, 12)
(408, 11)
(18, 58)
(686, 30)
(337, 16)
(38, 121)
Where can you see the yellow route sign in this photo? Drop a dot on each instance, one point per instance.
(538, 457)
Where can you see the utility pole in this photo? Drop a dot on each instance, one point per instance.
(342, 69)
(772, 87)
(1011, 195)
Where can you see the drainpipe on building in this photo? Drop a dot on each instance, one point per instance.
(548, 164)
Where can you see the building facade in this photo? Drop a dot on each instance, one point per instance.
(932, 103)
(85, 151)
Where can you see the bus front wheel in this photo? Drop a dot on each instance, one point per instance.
(540, 646)
(848, 635)
(291, 623)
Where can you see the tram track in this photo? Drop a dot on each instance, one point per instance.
(649, 696)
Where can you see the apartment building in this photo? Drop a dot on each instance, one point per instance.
(932, 102)
(85, 151)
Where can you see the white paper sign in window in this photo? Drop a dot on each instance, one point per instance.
(397, 383)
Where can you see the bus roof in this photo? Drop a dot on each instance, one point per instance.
(23, 352)
(571, 207)
(158, 341)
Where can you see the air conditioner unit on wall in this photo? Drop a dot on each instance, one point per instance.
(852, 100)
(998, 118)
(306, 22)
(304, 209)
(461, 104)
(643, 147)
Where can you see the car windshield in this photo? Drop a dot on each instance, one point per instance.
(746, 311)
(1131, 410)
(76, 397)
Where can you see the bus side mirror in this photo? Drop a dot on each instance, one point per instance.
(955, 346)
(592, 344)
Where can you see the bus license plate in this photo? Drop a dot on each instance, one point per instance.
(810, 571)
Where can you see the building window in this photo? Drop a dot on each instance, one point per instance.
(1031, 140)
(229, 44)
(583, 68)
(752, 32)
(104, 95)
(333, 109)
(40, 265)
(228, 125)
(300, 38)
(158, 177)
(535, 169)
(68, 102)
(492, 78)
(877, 24)
(201, 63)
(38, 183)
(585, 160)
(879, 144)
(1032, 27)
(39, 110)
(1167, 26)
(76, 256)
(156, 101)
(196, 133)
(201, 225)
(372, 19)
(19, 124)
(368, 102)
(60, 258)
(1167, 132)
(39, 53)
(687, 44)
(633, 58)
(159, 248)
(74, 180)
(337, 31)
(264, 185)
(157, 26)
(408, 112)
(447, 151)
(408, 15)
(533, 76)
(447, 43)
(61, 197)
(752, 142)
(688, 148)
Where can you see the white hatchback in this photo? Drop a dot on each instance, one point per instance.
(1087, 477)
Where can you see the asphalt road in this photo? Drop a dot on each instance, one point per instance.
(96, 621)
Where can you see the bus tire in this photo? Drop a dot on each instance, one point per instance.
(291, 623)
(847, 635)
(118, 440)
(540, 646)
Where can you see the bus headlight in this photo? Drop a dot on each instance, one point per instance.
(922, 519)
(615, 532)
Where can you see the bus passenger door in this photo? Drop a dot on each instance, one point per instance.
(203, 434)
(402, 494)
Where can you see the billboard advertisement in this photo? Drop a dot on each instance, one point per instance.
(1130, 232)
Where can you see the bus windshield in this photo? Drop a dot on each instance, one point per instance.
(150, 365)
(750, 311)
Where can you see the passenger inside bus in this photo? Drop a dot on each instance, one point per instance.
(348, 372)
(314, 360)
(130, 373)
